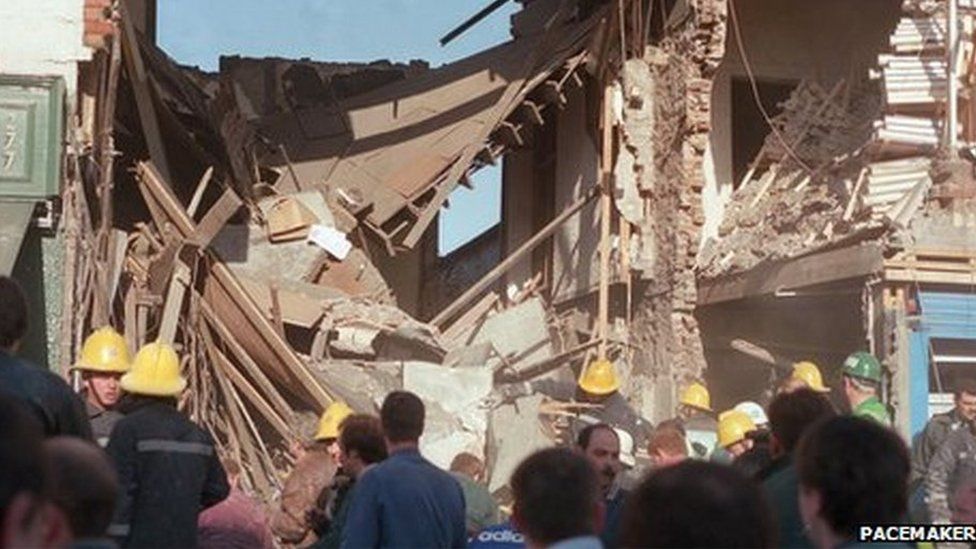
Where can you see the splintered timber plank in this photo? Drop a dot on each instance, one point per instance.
(233, 305)
(174, 302)
(255, 371)
(140, 87)
(260, 403)
(215, 218)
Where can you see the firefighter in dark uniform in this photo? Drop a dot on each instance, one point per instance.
(104, 358)
(168, 467)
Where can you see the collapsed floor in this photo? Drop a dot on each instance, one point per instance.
(271, 221)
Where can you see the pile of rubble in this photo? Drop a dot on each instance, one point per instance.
(250, 234)
(853, 162)
(796, 192)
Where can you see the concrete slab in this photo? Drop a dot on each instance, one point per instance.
(519, 334)
(459, 393)
(514, 433)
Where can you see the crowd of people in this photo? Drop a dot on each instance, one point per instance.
(118, 465)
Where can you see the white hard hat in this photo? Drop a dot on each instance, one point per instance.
(626, 447)
(754, 411)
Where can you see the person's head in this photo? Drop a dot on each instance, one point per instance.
(601, 446)
(361, 443)
(673, 423)
(790, 414)
(13, 314)
(27, 518)
(755, 413)
(86, 485)
(402, 415)
(667, 446)
(695, 400)
(327, 433)
(708, 505)
(809, 375)
(102, 388)
(555, 497)
(857, 390)
(468, 465)
(791, 384)
(155, 373)
(861, 377)
(104, 358)
(734, 427)
(851, 472)
(965, 399)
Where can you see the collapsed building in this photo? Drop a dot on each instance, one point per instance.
(690, 188)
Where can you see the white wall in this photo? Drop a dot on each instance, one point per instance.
(43, 37)
(789, 40)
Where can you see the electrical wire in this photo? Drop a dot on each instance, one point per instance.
(755, 89)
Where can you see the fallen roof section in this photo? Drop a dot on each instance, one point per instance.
(394, 154)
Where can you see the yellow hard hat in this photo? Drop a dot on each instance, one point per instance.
(733, 425)
(599, 378)
(104, 351)
(696, 396)
(331, 419)
(155, 372)
(809, 373)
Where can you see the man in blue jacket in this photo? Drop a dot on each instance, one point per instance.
(405, 501)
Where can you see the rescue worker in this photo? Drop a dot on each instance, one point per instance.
(754, 461)
(598, 384)
(936, 431)
(168, 467)
(808, 374)
(862, 377)
(952, 467)
(600, 443)
(755, 413)
(314, 471)
(49, 397)
(362, 445)
(104, 358)
(734, 427)
(697, 418)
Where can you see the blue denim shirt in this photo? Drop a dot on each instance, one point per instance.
(405, 501)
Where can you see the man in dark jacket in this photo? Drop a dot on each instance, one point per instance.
(361, 445)
(48, 396)
(937, 430)
(168, 467)
(952, 466)
(790, 415)
(405, 501)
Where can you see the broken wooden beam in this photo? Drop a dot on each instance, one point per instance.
(224, 292)
(513, 258)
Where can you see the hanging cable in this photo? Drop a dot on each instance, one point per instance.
(755, 89)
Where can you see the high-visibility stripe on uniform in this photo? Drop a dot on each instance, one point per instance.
(162, 445)
(118, 530)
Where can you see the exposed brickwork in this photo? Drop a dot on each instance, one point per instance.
(98, 23)
(665, 329)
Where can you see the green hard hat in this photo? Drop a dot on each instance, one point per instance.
(863, 365)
